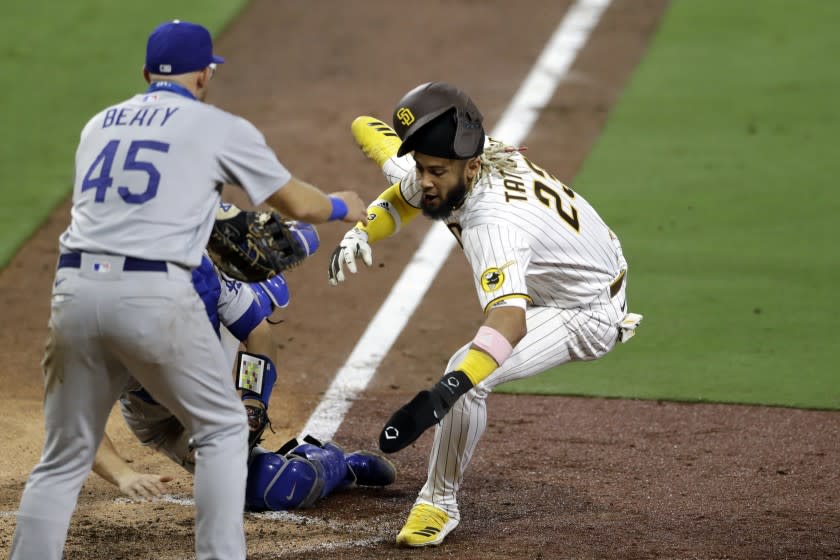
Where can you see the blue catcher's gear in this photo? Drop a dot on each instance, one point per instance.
(207, 285)
(370, 469)
(328, 458)
(272, 293)
(307, 235)
(255, 376)
(280, 483)
(363, 468)
(300, 473)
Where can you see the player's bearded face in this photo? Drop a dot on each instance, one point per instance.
(444, 183)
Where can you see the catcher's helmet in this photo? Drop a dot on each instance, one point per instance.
(440, 120)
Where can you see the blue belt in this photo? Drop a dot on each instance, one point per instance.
(130, 264)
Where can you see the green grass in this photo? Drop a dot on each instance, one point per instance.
(62, 62)
(718, 170)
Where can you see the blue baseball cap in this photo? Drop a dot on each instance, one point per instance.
(178, 47)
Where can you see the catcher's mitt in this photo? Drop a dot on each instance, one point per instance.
(254, 246)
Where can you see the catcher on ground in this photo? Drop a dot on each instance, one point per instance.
(297, 474)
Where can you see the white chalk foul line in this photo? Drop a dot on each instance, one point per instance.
(515, 124)
(283, 516)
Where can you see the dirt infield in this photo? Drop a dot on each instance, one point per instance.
(554, 477)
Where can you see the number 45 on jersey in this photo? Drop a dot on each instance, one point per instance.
(99, 177)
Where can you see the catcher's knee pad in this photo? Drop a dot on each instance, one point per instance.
(328, 458)
(280, 483)
(371, 469)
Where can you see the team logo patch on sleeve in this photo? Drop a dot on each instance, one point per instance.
(493, 278)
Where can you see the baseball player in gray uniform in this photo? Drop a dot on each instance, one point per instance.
(550, 275)
(148, 175)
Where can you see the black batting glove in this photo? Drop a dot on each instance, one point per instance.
(426, 409)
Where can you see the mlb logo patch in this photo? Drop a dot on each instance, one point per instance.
(165, 68)
(102, 267)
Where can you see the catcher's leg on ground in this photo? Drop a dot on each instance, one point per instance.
(154, 426)
(79, 395)
(184, 368)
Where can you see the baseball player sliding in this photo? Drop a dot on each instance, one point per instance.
(549, 273)
(148, 176)
(295, 478)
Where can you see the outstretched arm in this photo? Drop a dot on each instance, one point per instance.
(301, 201)
(385, 216)
(112, 467)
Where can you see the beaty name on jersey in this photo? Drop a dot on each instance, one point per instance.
(127, 116)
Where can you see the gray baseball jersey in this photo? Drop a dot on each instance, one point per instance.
(135, 196)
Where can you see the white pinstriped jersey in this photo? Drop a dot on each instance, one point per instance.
(527, 236)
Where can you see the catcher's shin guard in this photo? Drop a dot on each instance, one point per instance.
(281, 483)
(328, 458)
(370, 469)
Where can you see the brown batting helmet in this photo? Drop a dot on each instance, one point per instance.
(439, 120)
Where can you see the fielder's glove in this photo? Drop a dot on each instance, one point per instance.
(354, 244)
(254, 246)
(426, 409)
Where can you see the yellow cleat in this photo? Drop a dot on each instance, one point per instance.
(378, 141)
(427, 525)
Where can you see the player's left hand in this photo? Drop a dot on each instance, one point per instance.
(355, 244)
(142, 486)
(426, 409)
